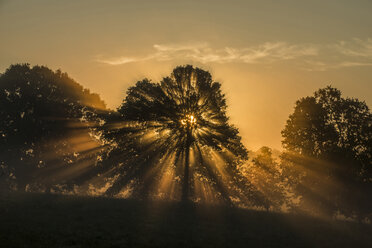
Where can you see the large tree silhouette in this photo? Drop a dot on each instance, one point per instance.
(332, 137)
(44, 125)
(174, 135)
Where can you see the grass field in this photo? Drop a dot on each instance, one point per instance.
(41, 220)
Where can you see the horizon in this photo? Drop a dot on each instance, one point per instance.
(266, 55)
(199, 123)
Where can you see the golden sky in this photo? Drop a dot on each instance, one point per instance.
(266, 54)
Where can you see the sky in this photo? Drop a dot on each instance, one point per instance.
(266, 54)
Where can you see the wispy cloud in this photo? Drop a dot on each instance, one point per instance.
(322, 66)
(355, 52)
(118, 61)
(356, 48)
(270, 52)
(204, 53)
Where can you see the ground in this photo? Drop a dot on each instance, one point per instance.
(42, 220)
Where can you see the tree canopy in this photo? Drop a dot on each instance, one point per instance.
(332, 136)
(41, 111)
(172, 140)
(328, 126)
(174, 137)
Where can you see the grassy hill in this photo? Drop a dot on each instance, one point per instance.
(40, 220)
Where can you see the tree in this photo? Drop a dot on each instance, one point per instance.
(274, 179)
(44, 119)
(334, 134)
(175, 134)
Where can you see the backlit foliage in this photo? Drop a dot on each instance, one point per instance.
(329, 138)
(45, 127)
(173, 138)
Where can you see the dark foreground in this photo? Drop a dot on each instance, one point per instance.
(37, 220)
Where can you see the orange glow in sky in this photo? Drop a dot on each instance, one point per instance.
(266, 54)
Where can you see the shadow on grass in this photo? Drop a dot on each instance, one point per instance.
(41, 220)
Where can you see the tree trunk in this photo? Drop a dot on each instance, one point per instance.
(186, 176)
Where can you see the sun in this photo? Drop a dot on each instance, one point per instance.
(189, 120)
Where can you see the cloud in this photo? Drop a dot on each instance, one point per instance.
(271, 52)
(355, 52)
(356, 48)
(203, 53)
(267, 52)
(175, 48)
(342, 54)
(322, 66)
(117, 61)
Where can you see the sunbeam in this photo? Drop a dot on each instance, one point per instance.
(174, 140)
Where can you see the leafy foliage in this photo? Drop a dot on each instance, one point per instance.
(274, 179)
(43, 117)
(332, 136)
(164, 128)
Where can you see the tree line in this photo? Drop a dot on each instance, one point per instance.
(172, 139)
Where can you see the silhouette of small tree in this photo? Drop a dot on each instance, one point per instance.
(181, 122)
(273, 179)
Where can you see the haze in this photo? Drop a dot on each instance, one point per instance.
(266, 54)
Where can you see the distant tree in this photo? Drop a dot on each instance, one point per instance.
(44, 117)
(179, 128)
(275, 180)
(334, 134)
